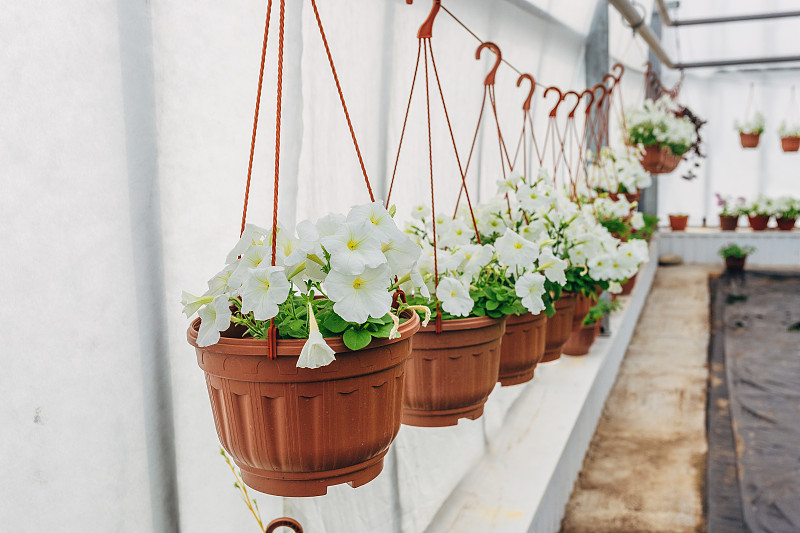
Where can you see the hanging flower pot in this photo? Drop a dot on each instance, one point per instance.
(758, 222)
(749, 140)
(728, 222)
(581, 340)
(582, 306)
(786, 224)
(790, 144)
(450, 375)
(678, 222)
(634, 197)
(659, 159)
(296, 431)
(559, 327)
(627, 287)
(522, 348)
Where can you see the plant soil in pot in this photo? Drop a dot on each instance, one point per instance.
(728, 222)
(450, 374)
(758, 222)
(659, 160)
(581, 340)
(749, 140)
(790, 144)
(296, 431)
(559, 327)
(786, 224)
(735, 264)
(627, 287)
(678, 222)
(522, 348)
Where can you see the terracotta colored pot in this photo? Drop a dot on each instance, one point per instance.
(581, 340)
(758, 222)
(790, 144)
(728, 222)
(522, 347)
(677, 223)
(786, 224)
(559, 327)
(582, 306)
(749, 140)
(735, 264)
(450, 374)
(659, 160)
(296, 431)
(635, 196)
(627, 287)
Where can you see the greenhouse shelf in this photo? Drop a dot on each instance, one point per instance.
(700, 245)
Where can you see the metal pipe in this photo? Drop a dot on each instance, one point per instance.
(662, 9)
(636, 21)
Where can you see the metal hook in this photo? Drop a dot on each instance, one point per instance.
(602, 98)
(621, 68)
(498, 59)
(558, 102)
(284, 522)
(426, 30)
(578, 96)
(590, 94)
(613, 81)
(527, 105)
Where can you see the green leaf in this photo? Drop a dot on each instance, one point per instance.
(356, 339)
(336, 324)
(507, 309)
(491, 305)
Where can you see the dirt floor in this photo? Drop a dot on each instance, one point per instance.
(645, 468)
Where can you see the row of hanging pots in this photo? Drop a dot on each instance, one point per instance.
(296, 431)
(751, 140)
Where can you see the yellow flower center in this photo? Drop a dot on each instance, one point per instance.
(385, 247)
(518, 245)
(265, 283)
(452, 294)
(374, 220)
(351, 244)
(357, 283)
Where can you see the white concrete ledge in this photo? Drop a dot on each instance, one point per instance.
(700, 245)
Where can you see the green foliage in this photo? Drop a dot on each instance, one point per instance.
(650, 227)
(601, 308)
(645, 134)
(734, 250)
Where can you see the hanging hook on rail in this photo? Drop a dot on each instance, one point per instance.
(426, 30)
(621, 68)
(526, 106)
(604, 91)
(558, 102)
(577, 103)
(590, 94)
(284, 522)
(498, 59)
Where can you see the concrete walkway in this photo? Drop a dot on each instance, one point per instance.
(645, 467)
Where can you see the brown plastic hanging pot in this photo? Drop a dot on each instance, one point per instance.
(450, 375)
(559, 327)
(790, 144)
(659, 159)
(786, 224)
(582, 306)
(296, 431)
(522, 348)
(580, 341)
(749, 140)
(627, 287)
(735, 264)
(758, 222)
(728, 222)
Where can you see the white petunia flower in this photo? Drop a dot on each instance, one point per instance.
(476, 257)
(315, 352)
(454, 296)
(554, 267)
(360, 296)
(307, 243)
(400, 251)
(530, 287)
(219, 283)
(330, 224)
(516, 251)
(421, 211)
(252, 258)
(192, 303)
(509, 184)
(252, 235)
(263, 291)
(214, 318)
(377, 216)
(353, 248)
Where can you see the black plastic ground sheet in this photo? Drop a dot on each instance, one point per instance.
(762, 370)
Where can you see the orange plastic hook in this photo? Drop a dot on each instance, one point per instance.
(527, 105)
(621, 68)
(284, 522)
(590, 94)
(426, 30)
(602, 98)
(613, 81)
(578, 96)
(558, 102)
(498, 59)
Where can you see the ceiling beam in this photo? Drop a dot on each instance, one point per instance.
(668, 21)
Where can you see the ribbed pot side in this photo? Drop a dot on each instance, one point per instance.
(628, 286)
(296, 431)
(522, 347)
(580, 341)
(559, 326)
(582, 306)
(450, 374)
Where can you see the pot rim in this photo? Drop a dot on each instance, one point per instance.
(459, 324)
(293, 347)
